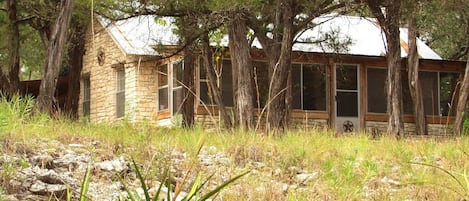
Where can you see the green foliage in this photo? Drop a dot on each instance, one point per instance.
(443, 26)
(15, 111)
(465, 125)
(195, 192)
(85, 184)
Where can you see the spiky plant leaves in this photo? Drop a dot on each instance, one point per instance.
(195, 188)
(222, 186)
(85, 184)
(127, 190)
(157, 195)
(142, 181)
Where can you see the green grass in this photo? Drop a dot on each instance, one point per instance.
(349, 168)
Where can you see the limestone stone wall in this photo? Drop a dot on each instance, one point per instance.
(103, 75)
(296, 123)
(140, 79)
(433, 129)
(146, 94)
(307, 124)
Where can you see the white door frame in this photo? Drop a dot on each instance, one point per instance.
(343, 123)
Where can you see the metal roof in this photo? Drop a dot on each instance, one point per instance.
(140, 35)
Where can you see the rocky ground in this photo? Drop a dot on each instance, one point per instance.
(44, 170)
(51, 170)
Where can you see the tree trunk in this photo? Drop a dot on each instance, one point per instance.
(54, 53)
(463, 95)
(188, 87)
(4, 84)
(188, 31)
(14, 47)
(389, 22)
(10, 83)
(243, 71)
(234, 81)
(212, 79)
(462, 102)
(394, 84)
(413, 76)
(76, 64)
(277, 109)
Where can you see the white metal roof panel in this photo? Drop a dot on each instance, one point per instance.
(140, 36)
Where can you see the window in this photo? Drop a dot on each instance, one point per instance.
(429, 82)
(406, 97)
(163, 97)
(227, 83)
(437, 91)
(448, 83)
(120, 92)
(376, 79)
(178, 72)
(309, 87)
(314, 87)
(376, 88)
(86, 95)
(205, 92)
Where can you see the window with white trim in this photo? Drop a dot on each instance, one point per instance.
(205, 93)
(163, 97)
(177, 88)
(86, 95)
(120, 92)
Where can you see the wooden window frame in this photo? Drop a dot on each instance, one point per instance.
(175, 84)
(164, 86)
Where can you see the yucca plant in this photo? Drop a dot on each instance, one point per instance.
(194, 194)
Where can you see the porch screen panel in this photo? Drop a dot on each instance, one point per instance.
(178, 70)
(297, 84)
(178, 73)
(163, 97)
(177, 100)
(314, 87)
(376, 78)
(86, 95)
(205, 93)
(347, 78)
(429, 81)
(227, 83)
(346, 100)
(406, 97)
(448, 83)
(120, 93)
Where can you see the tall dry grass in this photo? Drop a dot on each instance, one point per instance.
(348, 167)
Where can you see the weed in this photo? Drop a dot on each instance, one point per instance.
(461, 179)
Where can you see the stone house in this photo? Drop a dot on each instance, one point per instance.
(337, 83)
